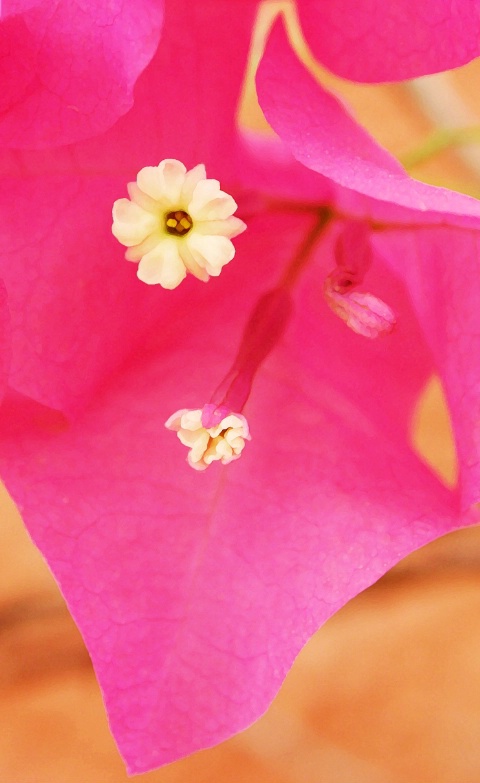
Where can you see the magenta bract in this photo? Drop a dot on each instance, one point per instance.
(68, 68)
(373, 41)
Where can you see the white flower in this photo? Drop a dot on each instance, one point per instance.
(225, 441)
(176, 221)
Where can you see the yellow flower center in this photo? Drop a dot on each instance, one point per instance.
(178, 223)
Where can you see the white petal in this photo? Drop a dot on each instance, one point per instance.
(217, 209)
(137, 252)
(150, 182)
(209, 202)
(162, 265)
(131, 224)
(199, 446)
(231, 227)
(234, 421)
(192, 265)
(146, 202)
(192, 178)
(235, 440)
(174, 421)
(205, 191)
(163, 182)
(219, 449)
(196, 465)
(212, 253)
(192, 419)
(196, 440)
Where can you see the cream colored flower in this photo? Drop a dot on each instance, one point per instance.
(176, 221)
(224, 442)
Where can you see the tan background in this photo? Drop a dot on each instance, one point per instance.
(387, 692)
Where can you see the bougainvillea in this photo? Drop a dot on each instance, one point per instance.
(194, 590)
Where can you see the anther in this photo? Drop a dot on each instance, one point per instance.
(178, 223)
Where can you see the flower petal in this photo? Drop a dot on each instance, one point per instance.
(131, 224)
(191, 264)
(230, 227)
(217, 209)
(378, 42)
(77, 309)
(192, 178)
(441, 273)
(324, 137)
(146, 134)
(163, 182)
(195, 592)
(163, 265)
(156, 126)
(205, 191)
(5, 341)
(211, 203)
(211, 252)
(69, 69)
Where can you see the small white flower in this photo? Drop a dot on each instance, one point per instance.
(176, 221)
(225, 441)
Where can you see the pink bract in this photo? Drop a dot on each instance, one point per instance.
(324, 138)
(5, 341)
(69, 68)
(374, 41)
(194, 592)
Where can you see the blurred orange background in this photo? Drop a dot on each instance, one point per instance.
(388, 691)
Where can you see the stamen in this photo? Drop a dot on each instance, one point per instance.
(178, 223)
